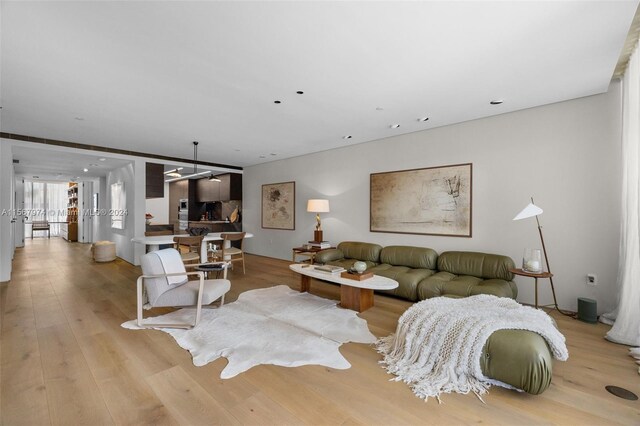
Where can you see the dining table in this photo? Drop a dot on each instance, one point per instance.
(154, 242)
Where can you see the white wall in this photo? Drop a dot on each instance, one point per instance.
(131, 175)
(566, 155)
(159, 207)
(6, 243)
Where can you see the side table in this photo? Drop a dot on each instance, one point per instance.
(308, 252)
(214, 267)
(535, 276)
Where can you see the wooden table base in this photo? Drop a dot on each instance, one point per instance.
(354, 298)
(305, 283)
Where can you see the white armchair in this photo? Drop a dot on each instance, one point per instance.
(164, 278)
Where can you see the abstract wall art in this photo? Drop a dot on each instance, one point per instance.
(430, 201)
(279, 206)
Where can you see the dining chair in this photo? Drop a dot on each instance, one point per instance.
(189, 247)
(233, 247)
(164, 283)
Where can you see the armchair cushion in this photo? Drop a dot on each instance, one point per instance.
(187, 294)
(167, 261)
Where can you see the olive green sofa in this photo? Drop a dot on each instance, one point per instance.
(422, 274)
(519, 358)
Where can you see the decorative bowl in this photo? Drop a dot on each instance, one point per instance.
(359, 267)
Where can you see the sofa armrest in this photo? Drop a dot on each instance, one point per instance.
(328, 255)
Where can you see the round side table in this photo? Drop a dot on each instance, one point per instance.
(535, 276)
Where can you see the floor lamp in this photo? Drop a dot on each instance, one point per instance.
(532, 210)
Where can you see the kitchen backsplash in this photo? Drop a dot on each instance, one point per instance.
(220, 210)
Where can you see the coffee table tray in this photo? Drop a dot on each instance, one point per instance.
(357, 277)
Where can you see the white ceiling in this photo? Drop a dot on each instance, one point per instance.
(154, 76)
(62, 166)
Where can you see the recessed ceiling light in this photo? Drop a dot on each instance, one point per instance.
(273, 154)
(423, 119)
(85, 170)
(394, 126)
(102, 159)
(277, 102)
(496, 102)
(347, 137)
(299, 92)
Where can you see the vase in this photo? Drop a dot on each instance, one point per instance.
(532, 261)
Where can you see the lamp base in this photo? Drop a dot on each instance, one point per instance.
(317, 236)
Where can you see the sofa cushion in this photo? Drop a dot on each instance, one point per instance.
(481, 265)
(361, 251)
(408, 279)
(413, 257)
(451, 285)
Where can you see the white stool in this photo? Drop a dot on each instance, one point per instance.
(104, 251)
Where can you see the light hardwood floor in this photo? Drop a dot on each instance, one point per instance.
(66, 360)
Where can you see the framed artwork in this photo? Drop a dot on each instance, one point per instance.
(279, 206)
(429, 201)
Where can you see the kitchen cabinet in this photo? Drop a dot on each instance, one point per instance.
(229, 188)
(207, 190)
(154, 180)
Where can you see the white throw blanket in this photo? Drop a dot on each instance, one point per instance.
(438, 342)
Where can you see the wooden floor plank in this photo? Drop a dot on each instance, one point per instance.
(129, 398)
(74, 397)
(187, 401)
(24, 397)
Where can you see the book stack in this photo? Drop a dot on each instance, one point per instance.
(330, 268)
(319, 244)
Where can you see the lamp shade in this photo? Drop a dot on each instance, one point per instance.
(318, 206)
(529, 211)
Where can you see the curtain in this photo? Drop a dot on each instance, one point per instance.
(626, 317)
(56, 202)
(45, 201)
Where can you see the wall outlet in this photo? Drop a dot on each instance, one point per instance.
(592, 279)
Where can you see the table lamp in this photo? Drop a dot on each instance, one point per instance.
(318, 206)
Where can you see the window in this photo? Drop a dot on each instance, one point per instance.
(45, 201)
(118, 205)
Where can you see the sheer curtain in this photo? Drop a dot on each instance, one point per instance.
(57, 200)
(626, 317)
(45, 201)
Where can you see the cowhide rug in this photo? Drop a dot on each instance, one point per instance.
(275, 325)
